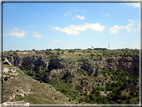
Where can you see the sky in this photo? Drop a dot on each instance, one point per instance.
(42, 26)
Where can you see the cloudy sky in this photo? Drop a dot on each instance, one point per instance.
(40, 26)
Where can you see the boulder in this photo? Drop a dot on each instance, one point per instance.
(6, 62)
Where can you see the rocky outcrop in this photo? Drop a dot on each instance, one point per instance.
(88, 65)
(6, 62)
(52, 74)
(69, 75)
(56, 64)
(87, 89)
(130, 65)
(36, 63)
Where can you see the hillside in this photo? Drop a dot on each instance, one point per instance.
(18, 86)
(97, 76)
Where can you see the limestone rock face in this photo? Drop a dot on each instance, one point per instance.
(30, 62)
(6, 62)
(69, 75)
(130, 65)
(88, 65)
(59, 65)
(56, 64)
(51, 75)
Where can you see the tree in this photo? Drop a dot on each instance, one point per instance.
(97, 93)
(93, 98)
(87, 99)
(108, 87)
(124, 97)
(132, 93)
(103, 88)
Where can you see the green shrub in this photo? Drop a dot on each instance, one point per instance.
(86, 78)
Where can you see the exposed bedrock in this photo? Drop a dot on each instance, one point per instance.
(57, 66)
(130, 65)
(37, 63)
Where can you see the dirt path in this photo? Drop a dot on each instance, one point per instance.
(60, 83)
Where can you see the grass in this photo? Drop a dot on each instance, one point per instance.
(134, 100)
(38, 93)
(62, 87)
(8, 66)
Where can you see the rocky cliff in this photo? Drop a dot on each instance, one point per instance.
(36, 63)
(58, 65)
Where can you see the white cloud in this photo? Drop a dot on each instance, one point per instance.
(49, 25)
(73, 18)
(138, 29)
(67, 30)
(134, 4)
(65, 15)
(80, 17)
(131, 20)
(128, 29)
(74, 9)
(57, 41)
(17, 33)
(107, 14)
(114, 29)
(84, 10)
(35, 34)
(75, 29)
(130, 25)
(68, 12)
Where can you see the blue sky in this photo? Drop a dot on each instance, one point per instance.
(28, 26)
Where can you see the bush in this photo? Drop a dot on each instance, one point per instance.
(124, 97)
(132, 93)
(96, 73)
(108, 87)
(92, 97)
(130, 97)
(103, 88)
(97, 93)
(85, 94)
(86, 79)
(87, 99)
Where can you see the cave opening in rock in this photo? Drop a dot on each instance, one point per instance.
(6, 63)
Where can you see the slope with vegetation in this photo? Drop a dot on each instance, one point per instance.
(111, 75)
